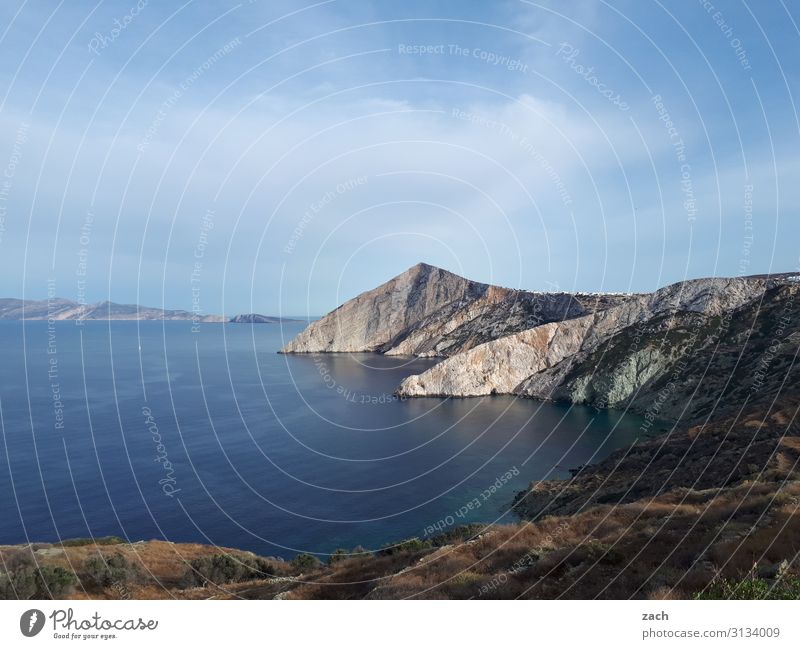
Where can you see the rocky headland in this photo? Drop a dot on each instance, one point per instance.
(675, 352)
(688, 345)
(427, 311)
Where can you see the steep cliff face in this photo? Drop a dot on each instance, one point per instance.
(605, 358)
(497, 313)
(686, 365)
(372, 319)
(427, 311)
(630, 351)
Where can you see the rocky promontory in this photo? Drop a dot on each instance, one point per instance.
(668, 353)
(603, 358)
(427, 311)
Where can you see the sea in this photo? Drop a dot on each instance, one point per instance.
(165, 430)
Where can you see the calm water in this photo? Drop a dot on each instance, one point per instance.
(147, 430)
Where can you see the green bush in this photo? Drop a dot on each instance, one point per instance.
(752, 588)
(409, 545)
(225, 569)
(55, 580)
(305, 561)
(32, 582)
(108, 571)
(20, 584)
(360, 552)
(457, 534)
(101, 540)
(338, 554)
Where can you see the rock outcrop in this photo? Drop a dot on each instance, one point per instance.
(427, 311)
(646, 352)
(661, 344)
(685, 365)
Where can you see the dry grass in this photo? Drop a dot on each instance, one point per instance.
(162, 566)
(668, 547)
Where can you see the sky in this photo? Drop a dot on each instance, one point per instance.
(282, 156)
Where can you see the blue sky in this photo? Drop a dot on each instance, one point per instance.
(281, 157)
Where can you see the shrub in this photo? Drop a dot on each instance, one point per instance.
(409, 545)
(460, 533)
(19, 584)
(751, 588)
(360, 552)
(107, 571)
(224, 569)
(305, 561)
(54, 581)
(45, 582)
(17, 559)
(340, 554)
(101, 540)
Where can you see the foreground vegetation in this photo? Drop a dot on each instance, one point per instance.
(731, 545)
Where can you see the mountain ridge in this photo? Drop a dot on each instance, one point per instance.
(429, 311)
(606, 350)
(69, 310)
(511, 364)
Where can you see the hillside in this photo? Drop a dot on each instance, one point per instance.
(427, 311)
(61, 309)
(625, 355)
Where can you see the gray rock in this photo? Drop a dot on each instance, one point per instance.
(427, 311)
(539, 361)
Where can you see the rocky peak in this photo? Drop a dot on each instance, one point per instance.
(428, 311)
(373, 318)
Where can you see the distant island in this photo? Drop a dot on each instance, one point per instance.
(257, 318)
(62, 309)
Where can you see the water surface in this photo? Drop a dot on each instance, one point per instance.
(148, 430)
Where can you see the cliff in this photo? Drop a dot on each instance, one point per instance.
(427, 311)
(623, 356)
(645, 352)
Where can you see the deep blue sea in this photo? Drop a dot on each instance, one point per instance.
(147, 430)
